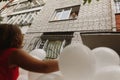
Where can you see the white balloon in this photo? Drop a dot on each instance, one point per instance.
(105, 57)
(34, 75)
(39, 53)
(23, 74)
(108, 73)
(76, 62)
(23, 77)
(51, 76)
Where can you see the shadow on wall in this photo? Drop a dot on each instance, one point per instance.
(102, 39)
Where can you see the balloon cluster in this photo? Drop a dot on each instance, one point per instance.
(38, 53)
(27, 75)
(41, 54)
(107, 64)
(79, 62)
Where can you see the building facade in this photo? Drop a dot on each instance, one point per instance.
(66, 20)
(60, 23)
(21, 12)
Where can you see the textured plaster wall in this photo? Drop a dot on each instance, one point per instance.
(95, 16)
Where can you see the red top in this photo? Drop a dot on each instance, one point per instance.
(7, 73)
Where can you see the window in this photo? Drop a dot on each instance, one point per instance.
(66, 13)
(117, 6)
(52, 43)
(62, 14)
(58, 14)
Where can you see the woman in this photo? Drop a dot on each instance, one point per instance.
(12, 56)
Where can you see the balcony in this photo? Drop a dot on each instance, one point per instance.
(102, 39)
(28, 5)
(25, 24)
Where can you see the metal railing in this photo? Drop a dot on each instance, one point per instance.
(53, 45)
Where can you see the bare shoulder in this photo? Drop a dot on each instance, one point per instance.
(18, 51)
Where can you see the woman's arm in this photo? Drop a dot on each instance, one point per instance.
(23, 59)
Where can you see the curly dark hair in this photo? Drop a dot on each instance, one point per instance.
(10, 36)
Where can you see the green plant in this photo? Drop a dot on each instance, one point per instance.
(89, 1)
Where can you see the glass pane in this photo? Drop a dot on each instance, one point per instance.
(58, 14)
(117, 5)
(65, 14)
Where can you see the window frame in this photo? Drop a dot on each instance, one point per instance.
(117, 6)
(62, 12)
